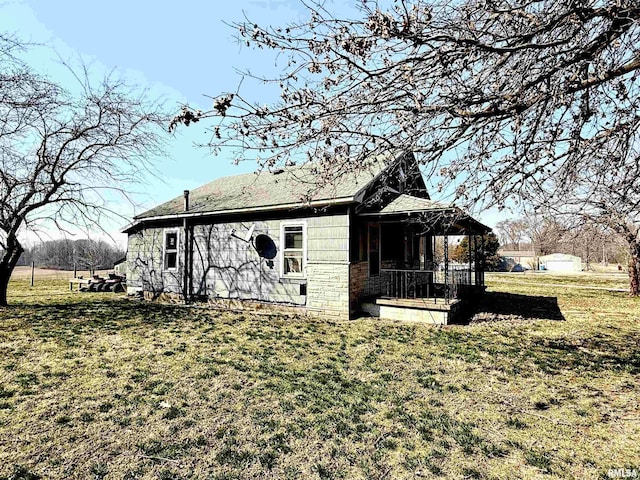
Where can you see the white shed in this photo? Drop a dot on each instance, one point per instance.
(119, 266)
(561, 262)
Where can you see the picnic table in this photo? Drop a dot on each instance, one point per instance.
(79, 281)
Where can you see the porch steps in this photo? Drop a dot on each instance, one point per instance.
(414, 310)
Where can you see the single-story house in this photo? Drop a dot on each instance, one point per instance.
(512, 258)
(363, 243)
(561, 262)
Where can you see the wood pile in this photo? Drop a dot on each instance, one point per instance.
(115, 283)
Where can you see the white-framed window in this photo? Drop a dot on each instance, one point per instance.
(170, 249)
(293, 248)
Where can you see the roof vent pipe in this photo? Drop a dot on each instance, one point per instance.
(186, 200)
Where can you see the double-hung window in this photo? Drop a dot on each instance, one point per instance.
(170, 254)
(293, 250)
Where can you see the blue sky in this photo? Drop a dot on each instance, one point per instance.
(180, 50)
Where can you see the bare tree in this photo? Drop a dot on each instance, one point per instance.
(66, 254)
(610, 205)
(53, 254)
(587, 226)
(585, 241)
(551, 236)
(493, 96)
(94, 254)
(513, 233)
(546, 232)
(60, 151)
(618, 210)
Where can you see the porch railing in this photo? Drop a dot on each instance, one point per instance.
(407, 283)
(430, 284)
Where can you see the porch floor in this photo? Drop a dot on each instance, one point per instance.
(421, 310)
(421, 303)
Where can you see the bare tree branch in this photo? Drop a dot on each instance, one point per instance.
(501, 100)
(61, 151)
(490, 94)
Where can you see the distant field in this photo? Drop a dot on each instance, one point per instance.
(20, 273)
(542, 384)
(612, 280)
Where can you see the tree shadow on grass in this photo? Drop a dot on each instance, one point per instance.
(597, 352)
(500, 306)
(583, 352)
(67, 320)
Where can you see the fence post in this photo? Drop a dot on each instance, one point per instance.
(33, 268)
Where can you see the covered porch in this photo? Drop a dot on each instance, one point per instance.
(412, 272)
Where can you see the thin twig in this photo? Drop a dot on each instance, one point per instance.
(160, 458)
(557, 422)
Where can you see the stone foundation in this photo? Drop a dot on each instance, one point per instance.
(328, 289)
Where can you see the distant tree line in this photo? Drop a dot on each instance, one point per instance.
(593, 243)
(64, 254)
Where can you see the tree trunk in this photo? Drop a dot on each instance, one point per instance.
(634, 265)
(4, 283)
(7, 264)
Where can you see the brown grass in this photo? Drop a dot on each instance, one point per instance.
(99, 386)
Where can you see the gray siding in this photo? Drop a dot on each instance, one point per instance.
(145, 263)
(328, 239)
(226, 267)
(328, 265)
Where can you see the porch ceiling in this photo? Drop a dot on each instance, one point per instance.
(441, 218)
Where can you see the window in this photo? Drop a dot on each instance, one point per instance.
(292, 242)
(171, 250)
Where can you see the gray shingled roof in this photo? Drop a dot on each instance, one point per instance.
(263, 190)
(408, 203)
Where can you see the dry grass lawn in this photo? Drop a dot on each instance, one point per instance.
(543, 384)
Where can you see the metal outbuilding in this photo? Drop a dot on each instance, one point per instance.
(561, 262)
